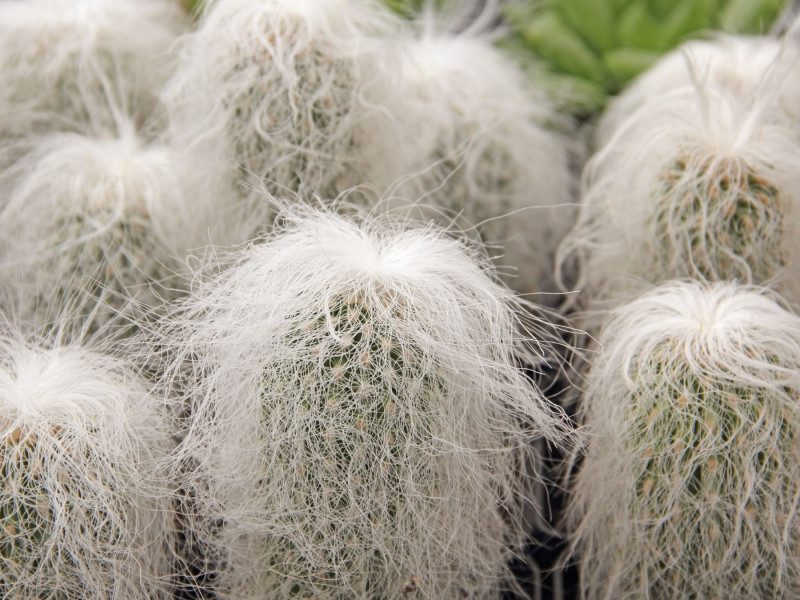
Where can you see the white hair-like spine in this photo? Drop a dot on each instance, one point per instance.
(92, 230)
(358, 426)
(277, 93)
(741, 65)
(482, 146)
(690, 486)
(85, 501)
(698, 184)
(78, 65)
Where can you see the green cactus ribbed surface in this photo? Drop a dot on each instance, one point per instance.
(600, 45)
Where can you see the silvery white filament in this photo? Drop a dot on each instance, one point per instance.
(92, 229)
(357, 424)
(690, 486)
(275, 91)
(84, 500)
(741, 65)
(77, 64)
(696, 184)
(482, 147)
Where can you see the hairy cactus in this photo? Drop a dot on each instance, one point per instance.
(76, 65)
(84, 501)
(91, 231)
(483, 148)
(690, 484)
(740, 65)
(358, 426)
(599, 45)
(699, 184)
(275, 90)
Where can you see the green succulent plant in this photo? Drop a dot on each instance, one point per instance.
(193, 6)
(597, 46)
(409, 8)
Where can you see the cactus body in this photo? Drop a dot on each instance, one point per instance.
(689, 488)
(483, 148)
(698, 184)
(84, 505)
(91, 230)
(76, 65)
(275, 92)
(357, 427)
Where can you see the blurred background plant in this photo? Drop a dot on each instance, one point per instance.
(594, 47)
(591, 48)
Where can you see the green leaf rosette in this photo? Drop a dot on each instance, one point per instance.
(597, 46)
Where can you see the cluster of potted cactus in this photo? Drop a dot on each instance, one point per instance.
(243, 357)
(684, 249)
(273, 278)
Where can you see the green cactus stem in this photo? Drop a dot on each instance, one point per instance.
(696, 439)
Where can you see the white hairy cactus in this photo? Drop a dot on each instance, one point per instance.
(276, 90)
(84, 500)
(358, 426)
(483, 147)
(92, 229)
(740, 65)
(698, 184)
(690, 487)
(75, 64)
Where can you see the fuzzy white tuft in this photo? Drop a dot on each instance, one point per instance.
(697, 184)
(92, 229)
(358, 425)
(482, 147)
(276, 92)
(78, 64)
(84, 499)
(690, 487)
(741, 65)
